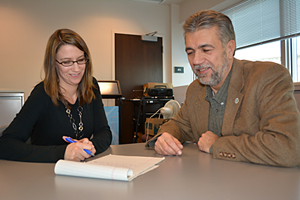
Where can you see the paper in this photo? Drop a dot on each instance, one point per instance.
(112, 167)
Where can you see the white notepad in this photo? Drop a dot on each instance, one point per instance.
(112, 167)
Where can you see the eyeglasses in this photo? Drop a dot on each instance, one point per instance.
(69, 63)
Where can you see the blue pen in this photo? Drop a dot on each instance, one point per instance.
(70, 140)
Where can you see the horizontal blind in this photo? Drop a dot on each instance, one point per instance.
(261, 21)
(291, 18)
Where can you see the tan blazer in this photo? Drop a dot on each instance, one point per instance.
(261, 121)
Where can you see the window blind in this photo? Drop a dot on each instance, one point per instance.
(261, 21)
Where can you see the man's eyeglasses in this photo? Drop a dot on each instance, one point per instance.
(69, 63)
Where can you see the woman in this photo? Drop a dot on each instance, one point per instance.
(67, 103)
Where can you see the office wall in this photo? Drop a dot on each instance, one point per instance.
(26, 25)
(179, 58)
(192, 6)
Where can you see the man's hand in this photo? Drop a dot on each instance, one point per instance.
(206, 141)
(166, 144)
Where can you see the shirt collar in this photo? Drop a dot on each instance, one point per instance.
(221, 95)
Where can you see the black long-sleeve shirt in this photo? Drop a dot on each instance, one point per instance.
(45, 124)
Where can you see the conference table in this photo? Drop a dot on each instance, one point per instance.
(193, 175)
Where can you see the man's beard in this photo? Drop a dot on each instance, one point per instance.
(216, 76)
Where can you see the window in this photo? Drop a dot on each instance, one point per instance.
(264, 52)
(268, 30)
(297, 50)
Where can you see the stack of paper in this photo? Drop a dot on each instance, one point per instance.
(113, 167)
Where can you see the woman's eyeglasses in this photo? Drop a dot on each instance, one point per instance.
(69, 63)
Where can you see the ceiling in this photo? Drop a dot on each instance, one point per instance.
(163, 2)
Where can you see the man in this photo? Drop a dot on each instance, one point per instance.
(235, 110)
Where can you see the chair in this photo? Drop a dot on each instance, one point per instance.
(2, 128)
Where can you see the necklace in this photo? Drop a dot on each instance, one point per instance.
(78, 132)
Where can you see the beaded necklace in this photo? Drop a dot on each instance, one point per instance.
(78, 132)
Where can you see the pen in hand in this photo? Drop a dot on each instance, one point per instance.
(70, 140)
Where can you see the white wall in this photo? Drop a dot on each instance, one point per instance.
(26, 25)
(192, 6)
(179, 58)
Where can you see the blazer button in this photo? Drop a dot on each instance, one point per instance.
(221, 154)
(233, 156)
(229, 155)
(225, 154)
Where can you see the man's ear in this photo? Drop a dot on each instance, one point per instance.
(230, 49)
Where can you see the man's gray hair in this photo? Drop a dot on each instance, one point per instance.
(207, 19)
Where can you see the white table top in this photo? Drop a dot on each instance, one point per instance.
(193, 175)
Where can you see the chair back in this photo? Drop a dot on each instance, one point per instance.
(2, 128)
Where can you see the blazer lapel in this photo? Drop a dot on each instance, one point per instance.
(234, 97)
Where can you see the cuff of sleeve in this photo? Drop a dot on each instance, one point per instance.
(151, 143)
(211, 150)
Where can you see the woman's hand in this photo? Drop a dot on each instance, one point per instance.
(75, 151)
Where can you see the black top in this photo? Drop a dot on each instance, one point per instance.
(45, 124)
